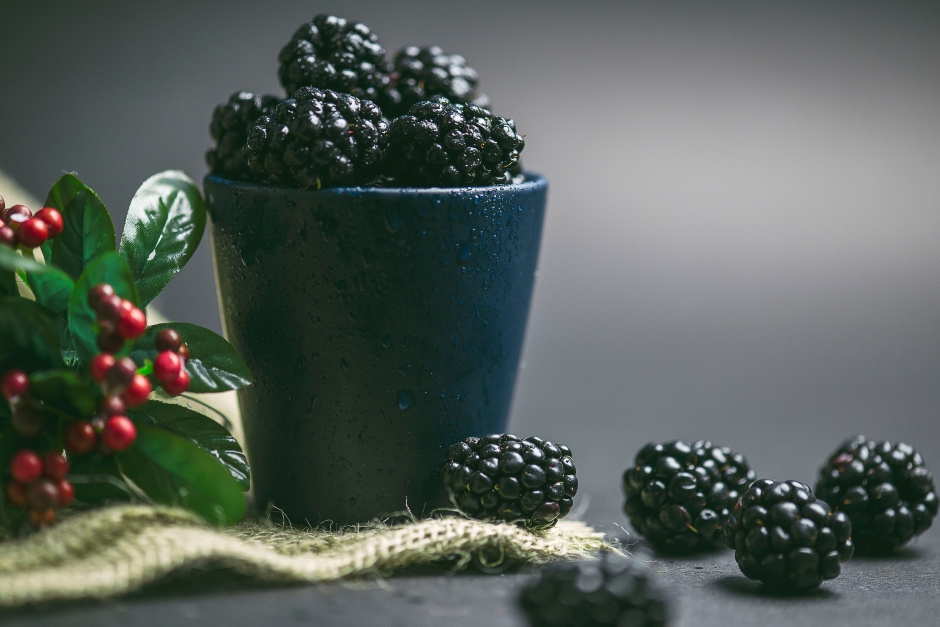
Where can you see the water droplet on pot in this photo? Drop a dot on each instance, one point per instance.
(464, 252)
(387, 340)
(405, 399)
(395, 221)
(352, 501)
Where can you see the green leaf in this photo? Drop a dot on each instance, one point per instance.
(29, 336)
(173, 470)
(7, 280)
(51, 286)
(213, 365)
(97, 479)
(164, 225)
(87, 231)
(108, 268)
(203, 431)
(64, 390)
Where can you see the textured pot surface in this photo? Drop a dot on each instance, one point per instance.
(381, 325)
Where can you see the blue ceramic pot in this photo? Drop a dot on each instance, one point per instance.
(381, 326)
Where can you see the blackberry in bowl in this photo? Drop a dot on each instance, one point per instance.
(420, 73)
(785, 537)
(679, 495)
(444, 144)
(501, 477)
(332, 53)
(319, 138)
(231, 123)
(884, 488)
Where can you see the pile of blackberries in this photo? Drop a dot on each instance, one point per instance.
(355, 117)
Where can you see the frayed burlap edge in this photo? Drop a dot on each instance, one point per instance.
(116, 550)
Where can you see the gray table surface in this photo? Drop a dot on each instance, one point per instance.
(707, 590)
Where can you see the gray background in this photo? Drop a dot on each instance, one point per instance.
(743, 226)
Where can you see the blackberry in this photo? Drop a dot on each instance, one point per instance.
(783, 536)
(613, 591)
(884, 488)
(680, 495)
(331, 53)
(446, 145)
(421, 73)
(500, 477)
(231, 122)
(318, 138)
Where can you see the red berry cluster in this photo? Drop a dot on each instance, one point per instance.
(19, 227)
(14, 386)
(118, 319)
(39, 484)
(170, 365)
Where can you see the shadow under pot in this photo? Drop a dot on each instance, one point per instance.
(380, 325)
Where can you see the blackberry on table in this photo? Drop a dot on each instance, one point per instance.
(419, 73)
(500, 477)
(444, 144)
(318, 138)
(679, 495)
(884, 488)
(331, 53)
(785, 537)
(615, 590)
(231, 122)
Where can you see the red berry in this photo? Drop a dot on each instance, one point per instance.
(125, 308)
(34, 232)
(100, 364)
(41, 519)
(110, 341)
(168, 340)
(178, 385)
(133, 323)
(42, 495)
(14, 384)
(138, 391)
(119, 433)
(98, 294)
(16, 494)
(26, 466)
(7, 236)
(66, 492)
(52, 218)
(18, 213)
(166, 366)
(54, 465)
(112, 406)
(26, 421)
(109, 308)
(80, 437)
(119, 376)
(184, 352)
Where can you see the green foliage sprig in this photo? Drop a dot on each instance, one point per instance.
(49, 331)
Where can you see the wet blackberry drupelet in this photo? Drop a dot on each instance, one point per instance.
(679, 495)
(331, 53)
(500, 477)
(231, 122)
(421, 73)
(884, 488)
(613, 591)
(443, 144)
(783, 536)
(318, 138)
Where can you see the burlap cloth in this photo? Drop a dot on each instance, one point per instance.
(115, 550)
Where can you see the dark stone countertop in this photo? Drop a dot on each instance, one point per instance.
(708, 591)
